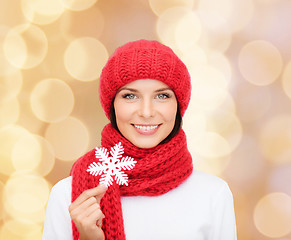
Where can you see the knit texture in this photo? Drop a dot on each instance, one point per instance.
(144, 59)
(157, 171)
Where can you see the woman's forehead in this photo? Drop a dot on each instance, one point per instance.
(146, 83)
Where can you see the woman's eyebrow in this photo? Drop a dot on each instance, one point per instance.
(163, 89)
(135, 90)
(128, 89)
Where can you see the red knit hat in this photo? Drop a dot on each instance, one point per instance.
(144, 59)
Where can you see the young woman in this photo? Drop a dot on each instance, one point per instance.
(140, 184)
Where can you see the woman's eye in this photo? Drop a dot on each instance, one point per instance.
(162, 96)
(129, 96)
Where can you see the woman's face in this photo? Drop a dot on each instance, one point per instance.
(145, 112)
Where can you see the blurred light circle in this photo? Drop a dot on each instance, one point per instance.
(212, 145)
(220, 62)
(44, 7)
(10, 85)
(14, 48)
(228, 105)
(207, 158)
(159, 6)
(193, 56)
(194, 123)
(25, 194)
(211, 165)
(227, 125)
(188, 30)
(167, 24)
(242, 15)
(275, 139)
(70, 20)
(9, 112)
(34, 153)
(211, 74)
(5, 67)
(84, 58)
(69, 138)
(20, 230)
(226, 14)
(252, 102)
(41, 11)
(34, 216)
(286, 80)
(78, 5)
(215, 38)
(52, 100)
(25, 46)
(214, 15)
(26, 153)
(9, 135)
(47, 160)
(272, 215)
(209, 87)
(207, 96)
(260, 63)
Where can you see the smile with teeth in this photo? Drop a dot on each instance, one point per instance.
(146, 128)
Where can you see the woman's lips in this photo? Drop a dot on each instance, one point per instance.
(146, 129)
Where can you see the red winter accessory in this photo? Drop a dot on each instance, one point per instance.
(157, 171)
(144, 59)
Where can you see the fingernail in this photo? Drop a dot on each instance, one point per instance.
(104, 187)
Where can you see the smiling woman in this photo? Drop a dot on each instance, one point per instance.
(145, 112)
(146, 188)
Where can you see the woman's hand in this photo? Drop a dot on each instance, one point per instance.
(86, 213)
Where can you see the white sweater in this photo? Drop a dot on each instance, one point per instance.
(201, 208)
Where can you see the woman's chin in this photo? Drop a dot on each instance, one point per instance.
(145, 143)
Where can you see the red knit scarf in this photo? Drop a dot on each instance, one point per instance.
(157, 171)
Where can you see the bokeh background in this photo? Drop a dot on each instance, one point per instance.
(238, 123)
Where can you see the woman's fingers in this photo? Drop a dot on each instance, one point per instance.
(95, 217)
(101, 190)
(84, 210)
(84, 206)
(90, 226)
(90, 217)
(97, 192)
(100, 221)
(86, 213)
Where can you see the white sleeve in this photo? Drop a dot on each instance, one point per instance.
(223, 221)
(57, 224)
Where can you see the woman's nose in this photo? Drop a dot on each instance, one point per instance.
(146, 108)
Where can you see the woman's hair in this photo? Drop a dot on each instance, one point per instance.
(175, 130)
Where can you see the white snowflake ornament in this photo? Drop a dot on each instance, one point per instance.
(108, 167)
